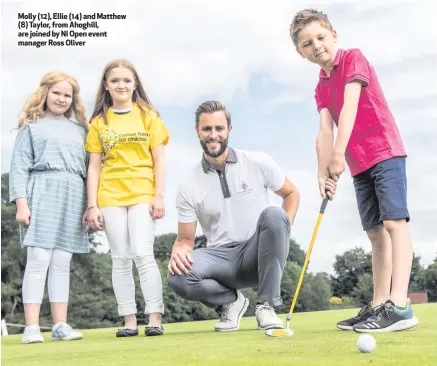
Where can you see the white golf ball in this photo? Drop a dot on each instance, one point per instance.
(366, 343)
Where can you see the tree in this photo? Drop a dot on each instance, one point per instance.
(164, 245)
(363, 292)
(92, 299)
(431, 281)
(296, 254)
(314, 293)
(13, 258)
(96, 239)
(348, 267)
(417, 278)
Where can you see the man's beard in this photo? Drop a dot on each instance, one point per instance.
(214, 154)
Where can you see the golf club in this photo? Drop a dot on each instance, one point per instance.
(286, 332)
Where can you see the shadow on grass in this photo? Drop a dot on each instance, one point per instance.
(177, 332)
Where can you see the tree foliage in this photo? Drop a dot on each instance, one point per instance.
(347, 268)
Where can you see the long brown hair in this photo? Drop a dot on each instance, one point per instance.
(35, 106)
(104, 100)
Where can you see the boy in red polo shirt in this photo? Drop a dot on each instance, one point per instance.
(349, 94)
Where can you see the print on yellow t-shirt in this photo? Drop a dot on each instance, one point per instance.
(126, 141)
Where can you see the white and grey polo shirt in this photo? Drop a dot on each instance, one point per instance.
(227, 204)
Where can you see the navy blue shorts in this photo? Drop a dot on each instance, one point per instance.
(381, 192)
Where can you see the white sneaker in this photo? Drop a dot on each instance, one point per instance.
(64, 332)
(32, 334)
(231, 314)
(267, 317)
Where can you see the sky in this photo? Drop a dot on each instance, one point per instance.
(240, 52)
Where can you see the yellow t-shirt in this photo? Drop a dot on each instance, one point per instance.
(127, 176)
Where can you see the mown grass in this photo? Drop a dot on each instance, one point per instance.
(316, 342)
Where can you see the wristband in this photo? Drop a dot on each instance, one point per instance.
(89, 208)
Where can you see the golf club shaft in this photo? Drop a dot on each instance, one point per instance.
(316, 229)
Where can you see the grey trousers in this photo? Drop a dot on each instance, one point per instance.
(218, 272)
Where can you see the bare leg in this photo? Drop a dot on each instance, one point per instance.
(402, 257)
(155, 320)
(31, 313)
(59, 312)
(130, 321)
(381, 263)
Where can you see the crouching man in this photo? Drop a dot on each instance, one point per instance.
(248, 239)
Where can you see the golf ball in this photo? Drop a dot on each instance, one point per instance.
(366, 343)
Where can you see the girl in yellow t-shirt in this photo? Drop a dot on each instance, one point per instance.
(126, 181)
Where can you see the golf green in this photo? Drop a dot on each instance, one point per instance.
(316, 341)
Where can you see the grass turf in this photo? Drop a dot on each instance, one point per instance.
(316, 342)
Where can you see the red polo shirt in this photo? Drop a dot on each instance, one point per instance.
(375, 136)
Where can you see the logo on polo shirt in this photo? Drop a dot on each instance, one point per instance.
(246, 189)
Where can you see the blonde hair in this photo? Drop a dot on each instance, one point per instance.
(305, 17)
(36, 106)
(104, 100)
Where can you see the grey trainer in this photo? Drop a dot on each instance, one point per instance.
(64, 332)
(267, 317)
(231, 314)
(32, 334)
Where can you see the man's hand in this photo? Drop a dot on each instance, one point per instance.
(180, 260)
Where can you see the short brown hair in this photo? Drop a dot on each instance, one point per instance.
(305, 17)
(212, 106)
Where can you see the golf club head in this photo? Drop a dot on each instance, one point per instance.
(286, 332)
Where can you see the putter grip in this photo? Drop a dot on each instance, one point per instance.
(324, 203)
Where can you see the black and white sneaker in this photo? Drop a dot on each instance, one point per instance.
(365, 313)
(388, 319)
